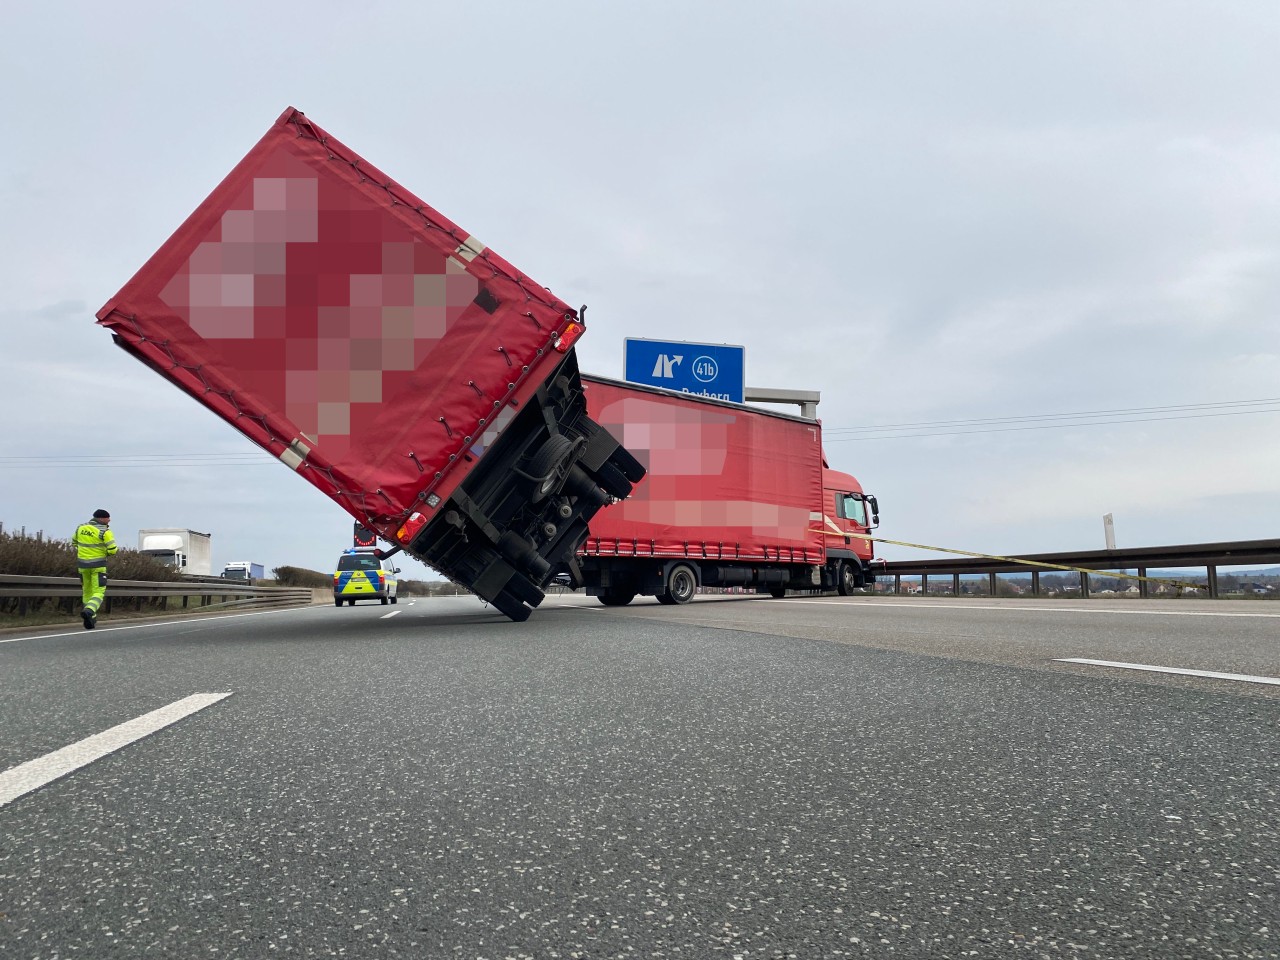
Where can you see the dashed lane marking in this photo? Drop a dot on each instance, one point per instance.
(34, 774)
(1213, 674)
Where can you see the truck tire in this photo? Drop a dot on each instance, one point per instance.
(682, 584)
(613, 482)
(395, 598)
(777, 592)
(510, 607)
(384, 600)
(616, 598)
(846, 579)
(631, 468)
(547, 466)
(337, 601)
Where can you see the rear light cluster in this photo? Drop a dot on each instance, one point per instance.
(569, 336)
(410, 528)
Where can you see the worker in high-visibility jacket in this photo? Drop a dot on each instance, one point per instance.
(94, 543)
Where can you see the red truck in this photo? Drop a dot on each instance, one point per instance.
(387, 356)
(735, 496)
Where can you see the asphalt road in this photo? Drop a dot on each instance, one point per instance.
(739, 778)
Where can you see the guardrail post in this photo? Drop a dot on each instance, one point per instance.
(924, 584)
(1035, 583)
(1212, 572)
(991, 584)
(1142, 584)
(955, 584)
(897, 584)
(1084, 586)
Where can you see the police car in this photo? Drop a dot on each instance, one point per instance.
(363, 575)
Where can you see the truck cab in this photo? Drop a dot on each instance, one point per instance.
(848, 517)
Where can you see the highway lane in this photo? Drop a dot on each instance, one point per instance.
(1231, 637)
(750, 778)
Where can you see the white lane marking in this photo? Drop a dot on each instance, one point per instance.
(991, 606)
(33, 774)
(162, 623)
(386, 615)
(1242, 677)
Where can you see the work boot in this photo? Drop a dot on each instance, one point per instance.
(89, 620)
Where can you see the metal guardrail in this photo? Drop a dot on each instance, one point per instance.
(1210, 556)
(230, 593)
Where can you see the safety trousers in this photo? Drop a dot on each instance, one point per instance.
(93, 588)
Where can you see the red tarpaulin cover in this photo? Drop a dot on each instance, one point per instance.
(724, 480)
(341, 323)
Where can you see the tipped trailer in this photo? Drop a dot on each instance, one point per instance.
(734, 496)
(385, 355)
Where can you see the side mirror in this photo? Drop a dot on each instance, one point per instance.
(395, 569)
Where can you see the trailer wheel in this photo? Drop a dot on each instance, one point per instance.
(847, 579)
(547, 465)
(777, 592)
(612, 480)
(384, 600)
(617, 598)
(682, 584)
(510, 607)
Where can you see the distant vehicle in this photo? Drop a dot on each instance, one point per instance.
(735, 496)
(363, 575)
(187, 551)
(242, 570)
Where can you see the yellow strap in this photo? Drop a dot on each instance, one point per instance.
(1181, 585)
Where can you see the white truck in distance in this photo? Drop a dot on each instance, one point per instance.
(187, 551)
(242, 570)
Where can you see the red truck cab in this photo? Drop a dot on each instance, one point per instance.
(851, 518)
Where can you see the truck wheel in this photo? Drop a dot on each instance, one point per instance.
(546, 465)
(631, 468)
(351, 602)
(384, 600)
(337, 601)
(847, 579)
(395, 598)
(613, 482)
(510, 607)
(682, 584)
(617, 598)
(777, 592)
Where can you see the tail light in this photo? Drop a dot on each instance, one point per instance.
(569, 336)
(410, 528)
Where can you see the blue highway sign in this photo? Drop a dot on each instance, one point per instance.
(715, 370)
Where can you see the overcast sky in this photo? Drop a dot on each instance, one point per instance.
(934, 213)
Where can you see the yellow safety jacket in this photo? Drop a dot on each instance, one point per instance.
(94, 543)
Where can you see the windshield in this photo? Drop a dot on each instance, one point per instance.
(357, 562)
(850, 507)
